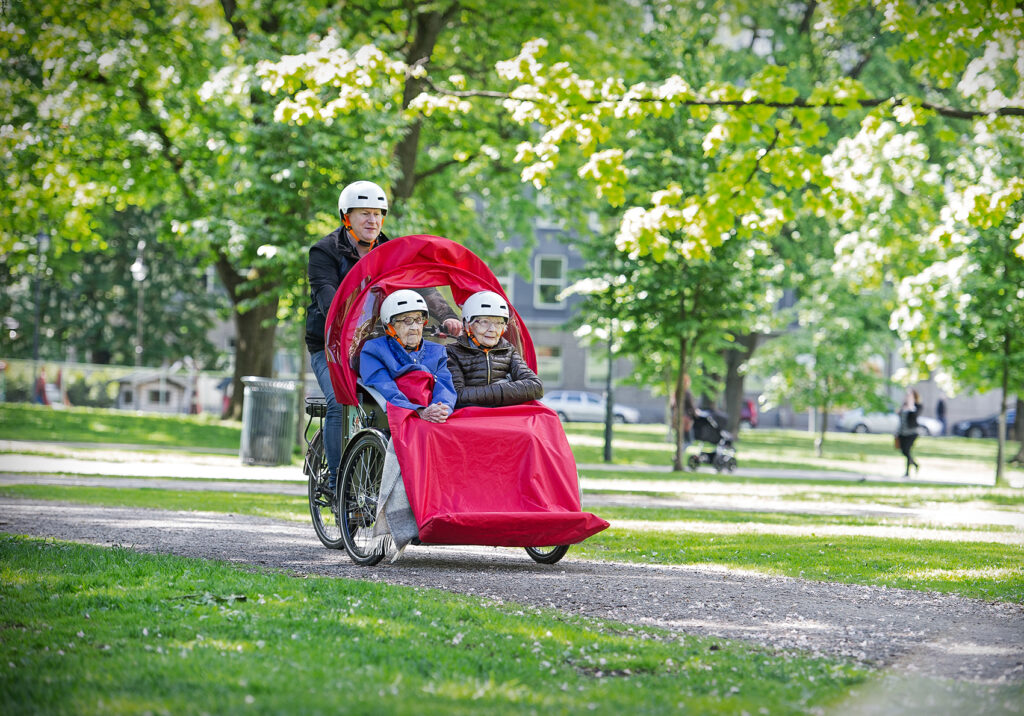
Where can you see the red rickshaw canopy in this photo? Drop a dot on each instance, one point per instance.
(417, 261)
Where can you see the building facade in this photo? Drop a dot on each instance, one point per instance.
(562, 361)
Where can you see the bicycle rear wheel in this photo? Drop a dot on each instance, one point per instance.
(547, 555)
(358, 491)
(322, 505)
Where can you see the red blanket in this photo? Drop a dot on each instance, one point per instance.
(491, 476)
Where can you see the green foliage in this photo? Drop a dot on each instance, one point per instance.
(117, 108)
(834, 353)
(760, 139)
(89, 302)
(966, 313)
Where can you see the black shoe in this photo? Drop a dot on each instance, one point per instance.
(331, 487)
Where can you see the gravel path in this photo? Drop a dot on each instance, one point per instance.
(927, 633)
(926, 523)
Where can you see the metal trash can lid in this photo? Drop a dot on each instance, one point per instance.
(261, 383)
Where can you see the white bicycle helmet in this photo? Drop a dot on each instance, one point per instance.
(484, 303)
(399, 302)
(362, 195)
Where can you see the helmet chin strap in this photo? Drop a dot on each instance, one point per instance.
(477, 343)
(348, 227)
(390, 330)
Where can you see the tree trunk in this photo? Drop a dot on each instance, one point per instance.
(1018, 425)
(670, 407)
(734, 360)
(254, 352)
(820, 442)
(678, 461)
(1001, 424)
(255, 329)
(733, 390)
(609, 395)
(428, 27)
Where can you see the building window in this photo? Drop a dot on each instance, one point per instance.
(596, 369)
(548, 281)
(546, 218)
(549, 365)
(158, 397)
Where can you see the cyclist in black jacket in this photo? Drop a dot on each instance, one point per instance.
(362, 207)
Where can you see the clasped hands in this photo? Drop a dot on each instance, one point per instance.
(434, 413)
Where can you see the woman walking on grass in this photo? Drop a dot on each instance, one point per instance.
(908, 431)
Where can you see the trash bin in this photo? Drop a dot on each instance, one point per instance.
(268, 420)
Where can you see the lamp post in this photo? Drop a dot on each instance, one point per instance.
(139, 273)
(609, 393)
(42, 245)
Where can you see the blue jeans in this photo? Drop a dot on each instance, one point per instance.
(335, 411)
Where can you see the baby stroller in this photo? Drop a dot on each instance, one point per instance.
(717, 449)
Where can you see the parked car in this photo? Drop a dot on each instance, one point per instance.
(985, 427)
(857, 421)
(581, 406)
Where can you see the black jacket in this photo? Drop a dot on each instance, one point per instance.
(498, 376)
(908, 420)
(330, 260)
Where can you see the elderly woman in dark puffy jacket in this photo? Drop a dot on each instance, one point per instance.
(486, 369)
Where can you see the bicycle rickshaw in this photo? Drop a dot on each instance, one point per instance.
(510, 481)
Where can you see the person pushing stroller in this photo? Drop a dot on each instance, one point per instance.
(718, 450)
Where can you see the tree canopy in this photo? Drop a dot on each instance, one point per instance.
(735, 148)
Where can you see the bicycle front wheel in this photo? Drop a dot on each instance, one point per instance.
(358, 491)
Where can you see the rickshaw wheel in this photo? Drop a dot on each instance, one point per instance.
(547, 555)
(321, 502)
(358, 491)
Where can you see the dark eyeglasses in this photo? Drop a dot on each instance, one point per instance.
(409, 321)
(485, 323)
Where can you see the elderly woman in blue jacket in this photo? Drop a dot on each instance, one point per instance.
(402, 352)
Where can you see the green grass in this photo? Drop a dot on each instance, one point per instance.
(279, 507)
(773, 449)
(985, 570)
(799, 519)
(95, 630)
(908, 494)
(88, 630)
(642, 444)
(21, 421)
